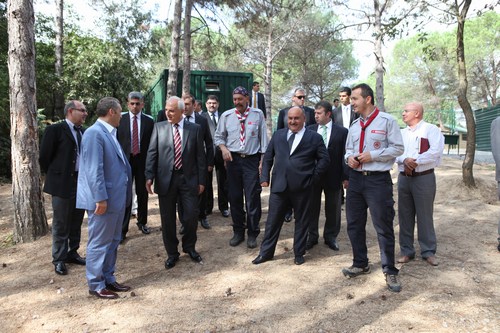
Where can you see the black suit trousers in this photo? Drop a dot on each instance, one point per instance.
(332, 213)
(278, 205)
(137, 164)
(221, 175)
(188, 196)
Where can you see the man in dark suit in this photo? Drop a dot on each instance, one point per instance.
(134, 134)
(334, 137)
(176, 163)
(257, 100)
(213, 114)
(344, 115)
(59, 159)
(193, 117)
(300, 159)
(104, 190)
(298, 99)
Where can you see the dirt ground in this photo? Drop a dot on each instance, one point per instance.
(229, 294)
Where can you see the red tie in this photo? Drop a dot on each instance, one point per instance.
(363, 128)
(177, 148)
(135, 137)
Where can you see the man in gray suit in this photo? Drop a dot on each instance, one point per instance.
(495, 149)
(177, 164)
(104, 190)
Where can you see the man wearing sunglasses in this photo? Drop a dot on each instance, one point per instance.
(298, 99)
(134, 134)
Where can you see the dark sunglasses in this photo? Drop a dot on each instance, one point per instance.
(300, 97)
(81, 110)
(135, 103)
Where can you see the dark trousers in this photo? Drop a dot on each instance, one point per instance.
(243, 181)
(221, 175)
(66, 228)
(188, 196)
(137, 164)
(278, 205)
(332, 213)
(372, 192)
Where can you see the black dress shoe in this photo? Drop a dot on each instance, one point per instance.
(299, 260)
(181, 230)
(115, 286)
(144, 229)
(204, 223)
(332, 244)
(252, 242)
(104, 293)
(225, 212)
(170, 262)
(195, 256)
(310, 244)
(236, 240)
(60, 268)
(288, 217)
(77, 260)
(260, 259)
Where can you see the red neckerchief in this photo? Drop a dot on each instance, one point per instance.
(363, 128)
(242, 119)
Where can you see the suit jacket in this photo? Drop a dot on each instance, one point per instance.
(217, 152)
(283, 117)
(125, 135)
(298, 171)
(337, 116)
(58, 152)
(495, 145)
(207, 137)
(337, 170)
(261, 102)
(105, 172)
(160, 158)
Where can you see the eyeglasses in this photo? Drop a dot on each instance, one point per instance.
(134, 103)
(81, 110)
(300, 97)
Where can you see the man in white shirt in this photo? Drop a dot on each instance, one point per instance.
(344, 115)
(424, 144)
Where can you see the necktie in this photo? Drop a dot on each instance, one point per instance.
(135, 137)
(363, 128)
(188, 119)
(78, 136)
(324, 135)
(290, 141)
(242, 119)
(214, 118)
(177, 148)
(254, 100)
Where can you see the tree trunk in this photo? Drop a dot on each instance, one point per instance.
(30, 221)
(186, 75)
(174, 50)
(59, 89)
(467, 174)
(268, 78)
(379, 65)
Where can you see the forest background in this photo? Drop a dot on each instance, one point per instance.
(127, 45)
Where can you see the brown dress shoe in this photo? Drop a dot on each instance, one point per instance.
(405, 259)
(104, 293)
(115, 286)
(432, 261)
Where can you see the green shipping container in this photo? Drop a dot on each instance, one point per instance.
(203, 83)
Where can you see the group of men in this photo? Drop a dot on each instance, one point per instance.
(314, 151)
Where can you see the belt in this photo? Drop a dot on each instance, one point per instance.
(243, 155)
(371, 173)
(416, 174)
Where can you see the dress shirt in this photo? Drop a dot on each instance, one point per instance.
(112, 131)
(346, 115)
(382, 139)
(328, 131)
(132, 129)
(73, 131)
(412, 139)
(298, 137)
(228, 132)
(191, 118)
